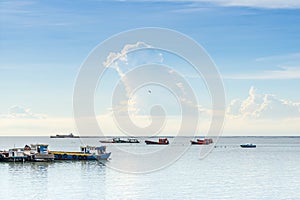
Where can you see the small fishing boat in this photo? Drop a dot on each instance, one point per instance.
(13, 155)
(86, 153)
(248, 145)
(133, 140)
(205, 141)
(161, 141)
(114, 140)
(34, 153)
(107, 141)
(119, 140)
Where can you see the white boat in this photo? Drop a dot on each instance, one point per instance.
(38, 152)
(34, 152)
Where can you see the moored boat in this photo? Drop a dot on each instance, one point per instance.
(107, 141)
(13, 155)
(248, 145)
(34, 153)
(86, 153)
(205, 141)
(161, 141)
(119, 140)
(133, 140)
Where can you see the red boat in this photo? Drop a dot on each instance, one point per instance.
(202, 141)
(161, 141)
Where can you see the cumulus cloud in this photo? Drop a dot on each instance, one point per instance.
(21, 112)
(263, 106)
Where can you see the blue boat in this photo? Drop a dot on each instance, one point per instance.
(86, 153)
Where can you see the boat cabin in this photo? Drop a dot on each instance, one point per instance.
(163, 140)
(205, 141)
(93, 150)
(39, 148)
(16, 152)
(133, 140)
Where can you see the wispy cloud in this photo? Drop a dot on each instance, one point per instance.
(29, 14)
(260, 3)
(281, 73)
(290, 56)
(269, 4)
(17, 112)
(15, 7)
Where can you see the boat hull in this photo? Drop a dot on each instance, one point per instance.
(247, 146)
(206, 141)
(65, 136)
(42, 158)
(198, 143)
(155, 143)
(104, 141)
(13, 159)
(61, 155)
(104, 156)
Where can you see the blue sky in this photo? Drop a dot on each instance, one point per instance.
(256, 47)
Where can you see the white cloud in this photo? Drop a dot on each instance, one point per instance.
(122, 55)
(113, 61)
(21, 112)
(258, 114)
(262, 114)
(263, 106)
(121, 62)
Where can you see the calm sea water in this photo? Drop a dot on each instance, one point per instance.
(270, 171)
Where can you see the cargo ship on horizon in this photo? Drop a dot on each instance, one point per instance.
(64, 136)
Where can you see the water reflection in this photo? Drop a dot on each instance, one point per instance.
(44, 180)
